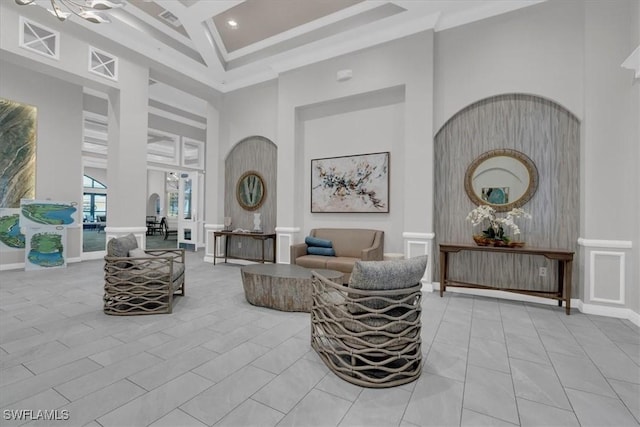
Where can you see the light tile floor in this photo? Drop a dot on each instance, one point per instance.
(219, 361)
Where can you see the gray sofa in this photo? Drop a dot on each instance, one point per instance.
(349, 244)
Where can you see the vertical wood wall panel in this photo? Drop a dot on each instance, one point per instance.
(550, 136)
(258, 154)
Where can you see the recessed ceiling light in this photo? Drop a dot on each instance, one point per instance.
(232, 23)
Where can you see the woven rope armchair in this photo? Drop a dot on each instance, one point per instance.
(141, 282)
(369, 332)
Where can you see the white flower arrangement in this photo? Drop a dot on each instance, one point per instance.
(495, 229)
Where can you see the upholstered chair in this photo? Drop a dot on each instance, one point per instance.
(138, 281)
(368, 333)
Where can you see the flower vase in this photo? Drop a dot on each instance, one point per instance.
(257, 227)
(481, 240)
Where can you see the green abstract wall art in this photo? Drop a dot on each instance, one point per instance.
(17, 153)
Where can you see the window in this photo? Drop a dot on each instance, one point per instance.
(162, 147)
(94, 207)
(39, 39)
(89, 182)
(94, 201)
(95, 133)
(172, 212)
(192, 153)
(171, 188)
(103, 63)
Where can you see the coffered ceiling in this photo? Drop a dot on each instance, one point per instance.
(196, 37)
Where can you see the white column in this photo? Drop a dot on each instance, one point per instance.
(285, 237)
(210, 250)
(418, 244)
(127, 154)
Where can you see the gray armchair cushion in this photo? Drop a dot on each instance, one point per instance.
(385, 275)
(120, 246)
(139, 253)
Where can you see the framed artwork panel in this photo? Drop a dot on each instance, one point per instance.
(357, 183)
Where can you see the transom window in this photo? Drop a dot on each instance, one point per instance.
(103, 63)
(88, 182)
(38, 38)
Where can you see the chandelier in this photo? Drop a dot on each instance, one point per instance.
(89, 10)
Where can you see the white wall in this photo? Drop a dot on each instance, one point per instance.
(569, 52)
(58, 140)
(402, 65)
(610, 141)
(370, 130)
(536, 50)
(246, 112)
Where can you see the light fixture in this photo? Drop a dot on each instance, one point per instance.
(633, 62)
(232, 23)
(89, 10)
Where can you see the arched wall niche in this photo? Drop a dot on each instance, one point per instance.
(259, 154)
(549, 135)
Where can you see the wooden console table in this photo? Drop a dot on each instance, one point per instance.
(228, 234)
(564, 258)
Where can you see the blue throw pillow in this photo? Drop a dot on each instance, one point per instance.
(321, 243)
(315, 250)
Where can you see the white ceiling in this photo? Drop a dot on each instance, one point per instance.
(272, 35)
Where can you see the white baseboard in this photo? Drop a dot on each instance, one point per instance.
(603, 310)
(426, 286)
(16, 266)
(598, 310)
(87, 256)
(494, 293)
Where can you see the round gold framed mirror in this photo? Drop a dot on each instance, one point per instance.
(251, 191)
(503, 179)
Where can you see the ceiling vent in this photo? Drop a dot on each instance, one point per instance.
(170, 18)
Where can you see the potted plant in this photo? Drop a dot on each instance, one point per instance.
(493, 229)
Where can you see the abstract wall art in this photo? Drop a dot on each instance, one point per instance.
(17, 153)
(358, 183)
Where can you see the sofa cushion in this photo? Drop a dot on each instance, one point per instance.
(314, 241)
(342, 264)
(384, 275)
(316, 250)
(312, 261)
(120, 246)
(347, 242)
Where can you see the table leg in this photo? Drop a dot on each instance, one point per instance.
(560, 281)
(567, 274)
(443, 271)
(215, 246)
(226, 247)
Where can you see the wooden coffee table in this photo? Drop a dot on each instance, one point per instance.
(285, 287)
